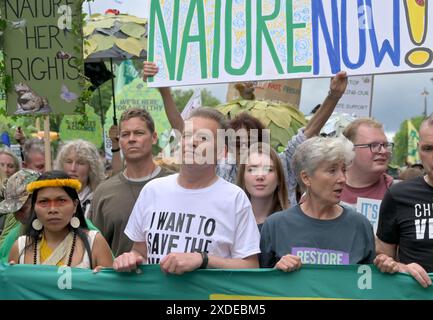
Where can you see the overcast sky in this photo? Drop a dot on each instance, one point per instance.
(396, 97)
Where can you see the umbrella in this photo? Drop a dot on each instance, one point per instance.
(114, 36)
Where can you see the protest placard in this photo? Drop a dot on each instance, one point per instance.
(288, 91)
(356, 101)
(43, 53)
(197, 42)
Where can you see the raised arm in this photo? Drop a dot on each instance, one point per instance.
(337, 88)
(116, 160)
(173, 115)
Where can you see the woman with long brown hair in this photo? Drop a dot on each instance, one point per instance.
(261, 176)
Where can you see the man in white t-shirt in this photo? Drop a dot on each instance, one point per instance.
(193, 219)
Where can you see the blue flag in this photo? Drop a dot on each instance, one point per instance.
(5, 139)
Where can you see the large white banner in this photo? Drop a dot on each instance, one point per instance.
(214, 41)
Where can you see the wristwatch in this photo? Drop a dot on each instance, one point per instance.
(205, 260)
(115, 150)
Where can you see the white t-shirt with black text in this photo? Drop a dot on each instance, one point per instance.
(217, 219)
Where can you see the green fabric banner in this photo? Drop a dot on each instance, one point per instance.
(311, 282)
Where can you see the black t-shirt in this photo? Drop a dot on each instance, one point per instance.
(406, 219)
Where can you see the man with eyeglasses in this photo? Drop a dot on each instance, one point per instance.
(366, 178)
(404, 240)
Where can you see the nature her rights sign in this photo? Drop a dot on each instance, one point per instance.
(211, 41)
(43, 50)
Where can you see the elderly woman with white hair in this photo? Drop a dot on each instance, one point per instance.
(9, 162)
(80, 160)
(319, 230)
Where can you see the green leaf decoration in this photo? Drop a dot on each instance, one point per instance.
(225, 109)
(132, 19)
(103, 42)
(257, 104)
(276, 144)
(104, 24)
(131, 45)
(279, 134)
(236, 110)
(88, 30)
(96, 16)
(133, 30)
(279, 116)
(244, 103)
(89, 47)
(260, 113)
(296, 114)
(127, 32)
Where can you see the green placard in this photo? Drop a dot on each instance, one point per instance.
(137, 95)
(43, 51)
(73, 127)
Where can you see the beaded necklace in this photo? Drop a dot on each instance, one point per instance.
(36, 253)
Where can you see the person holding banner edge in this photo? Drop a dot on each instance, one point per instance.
(180, 222)
(229, 172)
(57, 232)
(319, 230)
(404, 242)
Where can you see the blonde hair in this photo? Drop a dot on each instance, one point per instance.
(280, 199)
(85, 151)
(351, 131)
(13, 156)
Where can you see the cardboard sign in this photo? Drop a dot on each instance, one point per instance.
(42, 55)
(215, 41)
(288, 91)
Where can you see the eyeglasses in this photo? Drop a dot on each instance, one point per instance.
(375, 147)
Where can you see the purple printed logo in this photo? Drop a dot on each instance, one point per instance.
(321, 256)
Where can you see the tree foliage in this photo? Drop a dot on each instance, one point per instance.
(181, 98)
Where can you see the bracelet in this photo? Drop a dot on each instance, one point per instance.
(115, 150)
(205, 260)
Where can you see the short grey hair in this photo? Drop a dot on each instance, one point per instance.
(33, 145)
(427, 122)
(85, 151)
(212, 114)
(313, 152)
